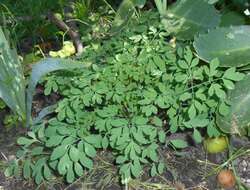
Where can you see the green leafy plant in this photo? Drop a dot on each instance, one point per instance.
(12, 84)
(137, 83)
(2, 105)
(11, 120)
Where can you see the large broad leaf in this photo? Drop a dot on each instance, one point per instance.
(238, 120)
(161, 6)
(124, 13)
(187, 17)
(243, 4)
(12, 88)
(42, 68)
(230, 45)
(232, 18)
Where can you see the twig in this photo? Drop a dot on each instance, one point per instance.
(5, 157)
(75, 37)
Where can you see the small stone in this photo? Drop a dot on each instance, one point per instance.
(244, 163)
(11, 157)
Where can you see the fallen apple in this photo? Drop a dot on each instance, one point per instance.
(226, 178)
(216, 145)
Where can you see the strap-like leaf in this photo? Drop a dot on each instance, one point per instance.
(42, 68)
(12, 85)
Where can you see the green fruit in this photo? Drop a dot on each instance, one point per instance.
(69, 48)
(58, 16)
(62, 54)
(53, 54)
(216, 145)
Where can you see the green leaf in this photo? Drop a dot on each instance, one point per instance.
(214, 64)
(223, 109)
(153, 171)
(125, 171)
(105, 142)
(12, 82)
(123, 14)
(70, 177)
(42, 68)
(119, 122)
(78, 169)
(186, 96)
(95, 140)
(198, 121)
(160, 63)
(219, 92)
(232, 46)
(25, 141)
(211, 90)
(212, 130)
(136, 168)
(212, 1)
(58, 152)
(233, 75)
(63, 164)
(157, 121)
(39, 178)
(120, 159)
(237, 120)
(89, 150)
(8, 171)
(197, 136)
(31, 134)
(149, 110)
(161, 6)
(195, 62)
(179, 143)
(160, 167)
(232, 18)
(141, 120)
(153, 155)
(228, 84)
(74, 154)
(182, 64)
(139, 137)
(46, 172)
(192, 111)
(27, 169)
(186, 18)
(85, 161)
(139, 3)
(53, 164)
(188, 55)
(54, 140)
(162, 136)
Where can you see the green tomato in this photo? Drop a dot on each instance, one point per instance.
(216, 145)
